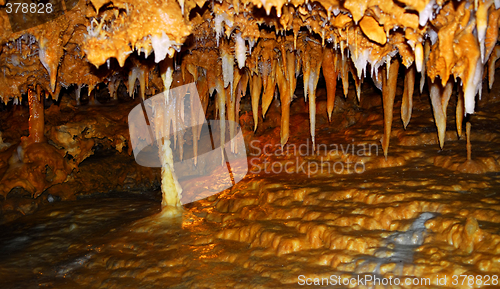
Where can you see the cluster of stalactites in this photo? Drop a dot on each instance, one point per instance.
(267, 51)
(455, 39)
(271, 71)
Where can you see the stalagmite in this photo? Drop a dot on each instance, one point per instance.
(164, 116)
(170, 187)
(388, 94)
(37, 119)
(330, 73)
(407, 102)
(439, 100)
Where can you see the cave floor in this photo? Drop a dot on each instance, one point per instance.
(294, 217)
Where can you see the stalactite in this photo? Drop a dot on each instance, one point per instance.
(255, 89)
(427, 51)
(166, 72)
(459, 114)
(113, 84)
(358, 81)
(231, 106)
(439, 100)
(473, 72)
(227, 60)
(306, 69)
(316, 59)
(91, 95)
(50, 52)
(330, 73)
(281, 79)
(481, 24)
(240, 50)
(198, 112)
(142, 82)
(55, 94)
(491, 65)
(491, 33)
(195, 128)
(137, 73)
(469, 146)
(244, 82)
(269, 83)
(344, 74)
(221, 101)
(407, 102)
(178, 110)
(388, 93)
(78, 92)
(37, 119)
(203, 91)
(240, 92)
(419, 57)
(291, 64)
